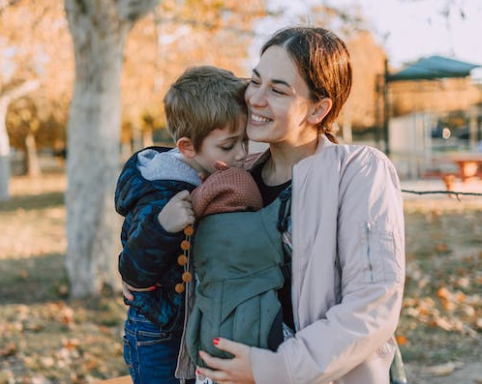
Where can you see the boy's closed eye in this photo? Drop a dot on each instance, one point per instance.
(227, 147)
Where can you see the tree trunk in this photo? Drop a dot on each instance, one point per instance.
(147, 138)
(4, 153)
(98, 29)
(136, 137)
(33, 163)
(5, 100)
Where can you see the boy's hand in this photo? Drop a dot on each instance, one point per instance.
(177, 214)
(128, 289)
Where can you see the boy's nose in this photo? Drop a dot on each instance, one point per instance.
(242, 152)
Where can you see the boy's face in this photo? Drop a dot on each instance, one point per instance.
(230, 147)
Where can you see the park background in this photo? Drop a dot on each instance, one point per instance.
(81, 87)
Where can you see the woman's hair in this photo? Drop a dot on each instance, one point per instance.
(323, 61)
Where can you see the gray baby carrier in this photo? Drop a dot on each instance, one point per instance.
(239, 260)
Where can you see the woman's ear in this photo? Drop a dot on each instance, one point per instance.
(320, 110)
(186, 147)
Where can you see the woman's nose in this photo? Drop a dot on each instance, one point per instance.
(255, 96)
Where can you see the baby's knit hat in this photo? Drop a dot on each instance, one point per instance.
(227, 190)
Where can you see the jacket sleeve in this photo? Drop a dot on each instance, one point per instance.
(370, 246)
(148, 249)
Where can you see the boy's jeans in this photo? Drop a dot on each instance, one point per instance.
(150, 354)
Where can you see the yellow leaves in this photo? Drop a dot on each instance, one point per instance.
(401, 340)
(442, 293)
(449, 310)
(23, 274)
(447, 297)
(461, 297)
(442, 248)
(66, 316)
(70, 344)
(448, 305)
(8, 350)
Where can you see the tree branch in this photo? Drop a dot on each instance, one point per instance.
(135, 9)
(20, 90)
(4, 4)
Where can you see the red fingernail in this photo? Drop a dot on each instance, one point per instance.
(198, 372)
(153, 288)
(216, 341)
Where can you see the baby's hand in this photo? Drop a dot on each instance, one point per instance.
(218, 166)
(177, 214)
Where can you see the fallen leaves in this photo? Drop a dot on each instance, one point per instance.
(61, 342)
(9, 349)
(443, 369)
(442, 306)
(401, 340)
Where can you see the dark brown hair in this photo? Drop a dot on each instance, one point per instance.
(323, 61)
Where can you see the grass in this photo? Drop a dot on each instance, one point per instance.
(47, 338)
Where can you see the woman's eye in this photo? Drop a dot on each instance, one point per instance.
(254, 81)
(228, 148)
(278, 91)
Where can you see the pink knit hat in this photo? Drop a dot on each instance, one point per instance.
(227, 190)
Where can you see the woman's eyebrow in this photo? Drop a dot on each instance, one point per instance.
(274, 81)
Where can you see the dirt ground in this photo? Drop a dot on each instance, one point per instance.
(46, 338)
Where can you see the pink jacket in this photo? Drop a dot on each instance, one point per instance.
(348, 270)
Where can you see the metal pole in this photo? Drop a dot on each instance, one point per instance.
(386, 110)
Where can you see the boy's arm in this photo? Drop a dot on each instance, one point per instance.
(149, 247)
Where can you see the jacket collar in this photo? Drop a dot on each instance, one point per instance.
(255, 159)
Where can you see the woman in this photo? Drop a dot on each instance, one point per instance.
(347, 223)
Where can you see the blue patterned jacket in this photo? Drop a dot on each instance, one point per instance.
(149, 179)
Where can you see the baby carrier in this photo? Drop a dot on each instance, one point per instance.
(239, 260)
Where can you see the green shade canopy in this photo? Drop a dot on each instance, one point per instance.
(434, 67)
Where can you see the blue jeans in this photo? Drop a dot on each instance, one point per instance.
(150, 355)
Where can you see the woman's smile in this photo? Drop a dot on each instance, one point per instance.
(259, 119)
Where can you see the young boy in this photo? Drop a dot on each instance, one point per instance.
(206, 116)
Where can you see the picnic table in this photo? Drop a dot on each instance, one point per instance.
(469, 165)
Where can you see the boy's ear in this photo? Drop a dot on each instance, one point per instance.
(186, 147)
(320, 110)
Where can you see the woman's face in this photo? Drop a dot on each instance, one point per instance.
(278, 101)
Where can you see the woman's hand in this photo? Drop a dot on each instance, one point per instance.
(228, 371)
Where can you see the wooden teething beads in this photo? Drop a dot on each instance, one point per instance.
(183, 259)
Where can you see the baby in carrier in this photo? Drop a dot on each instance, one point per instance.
(239, 262)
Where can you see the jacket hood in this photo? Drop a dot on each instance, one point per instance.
(146, 170)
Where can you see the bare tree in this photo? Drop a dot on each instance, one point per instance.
(99, 29)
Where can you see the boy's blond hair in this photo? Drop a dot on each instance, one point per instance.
(203, 99)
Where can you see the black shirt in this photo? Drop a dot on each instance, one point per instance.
(269, 194)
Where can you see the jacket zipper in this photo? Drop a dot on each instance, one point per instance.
(370, 266)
